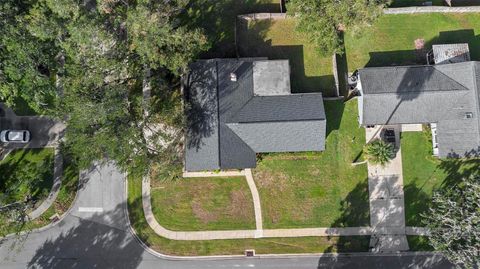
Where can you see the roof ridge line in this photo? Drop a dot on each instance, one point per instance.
(435, 67)
(477, 95)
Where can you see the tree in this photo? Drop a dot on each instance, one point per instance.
(107, 47)
(454, 222)
(322, 20)
(379, 152)
(27, 63)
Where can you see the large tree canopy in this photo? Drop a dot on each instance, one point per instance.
(322, 20)
(97, 54)
(26, 63)
(454, 222)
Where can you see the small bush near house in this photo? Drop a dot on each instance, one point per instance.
(379, 152)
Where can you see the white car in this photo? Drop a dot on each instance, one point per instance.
(15, 136)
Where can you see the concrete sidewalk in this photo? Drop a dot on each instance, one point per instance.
(57, 183)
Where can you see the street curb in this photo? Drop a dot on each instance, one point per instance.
(260, 256)
(50, 225)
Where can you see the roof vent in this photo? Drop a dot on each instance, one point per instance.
(468, 115)
(233, 77)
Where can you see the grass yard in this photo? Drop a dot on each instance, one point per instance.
(65, 197)
(320, 189)
(217, 19)
(419, 243)
(26, 172)
(391, 40)
(203, 204)
(232, 247)
(423, 173)
(277, 39)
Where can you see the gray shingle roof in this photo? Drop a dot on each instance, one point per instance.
(441, 94)
(292, 107)
(236, 124)
(202, 149)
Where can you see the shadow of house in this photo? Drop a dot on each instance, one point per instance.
(217, 19)
(414, 57)
(251, 42)
(334, 113)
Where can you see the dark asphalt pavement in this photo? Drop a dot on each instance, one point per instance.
(95, 234)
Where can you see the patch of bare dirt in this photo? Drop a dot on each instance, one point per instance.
(203, 215)
(240, 205)
(271, 179)
(303, 211)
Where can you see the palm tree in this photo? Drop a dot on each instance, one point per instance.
(379, 152)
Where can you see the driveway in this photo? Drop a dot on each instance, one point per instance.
(45, 132)
(95, 234)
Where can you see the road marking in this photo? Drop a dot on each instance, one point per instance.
(90, 209)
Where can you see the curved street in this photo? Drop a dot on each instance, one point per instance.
(96, 234)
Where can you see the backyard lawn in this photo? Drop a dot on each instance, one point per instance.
(277, 39)
(26, 172)
(190, 204)
(217, 19)
(423, 173)
(391, 41)
(232, 247)
(318, 189)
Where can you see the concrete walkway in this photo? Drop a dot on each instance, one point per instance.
(57, 182)
(387, 206)
(256, 202)
(238, 234)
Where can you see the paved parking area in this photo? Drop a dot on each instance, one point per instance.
(44, 131)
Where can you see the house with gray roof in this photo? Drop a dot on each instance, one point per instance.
(447, 96)
(237, 108)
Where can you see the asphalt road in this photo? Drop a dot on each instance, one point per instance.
(95, 235)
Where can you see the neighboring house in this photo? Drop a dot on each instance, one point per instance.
(447, 96)
(237, 108)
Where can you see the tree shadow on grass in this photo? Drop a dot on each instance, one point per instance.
(251, 42)
(355, 208)
(355, 213)
(418, 201)
(217, 18)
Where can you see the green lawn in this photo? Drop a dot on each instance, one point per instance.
(63, 202)
(232, 247)
(203, 204)
(390, 41)
(320, 189)
(423, 173)
(26, 172)
(419, 243)
(277, 39)
(217, 19)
